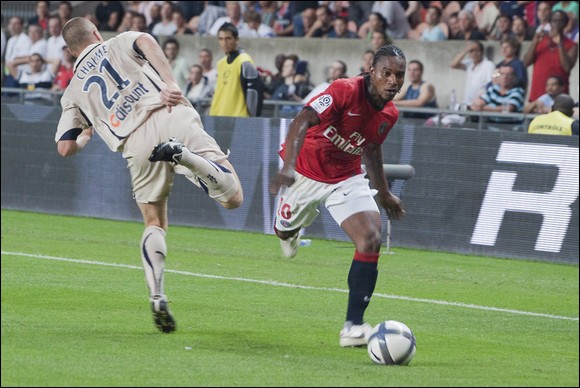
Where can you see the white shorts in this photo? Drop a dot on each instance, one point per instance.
(298, 204)
(152, 182)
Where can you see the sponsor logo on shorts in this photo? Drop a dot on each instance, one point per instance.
(285, 223)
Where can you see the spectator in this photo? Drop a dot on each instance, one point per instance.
(544, 103)
(469, 30)
(239, 91)
(63, 70)
(154, 15)
(144, 8)
(210, 14)
(138, 23)
(41, 17)
(18, 46)
(283, 20)
(295, 86)
(109, 15)
(510, 49)
(375, 22)
(379, 39)
(432, 29)
(419, 94)
(191, 10)
(178, 64)
(571, 9)
(512, 8)
(166, 26)
(197, 86)
(256, 29)
(367, 61)
(520, 29)
(340, 29)
(358, 13)
(180, 24)
(414, 12)
(55, 42)
(502, 96)
(277, 79)
(336, 71)
(293, 11)
(205, 59)
(552, 54)
(36, 36)
(233, 16)
(478, 70)
(543, 14)
(559, 121)
(454, 27)
(268, 12)
(35, 77)
(303, 22)
(323, 24)
(449, 9)
(503, 30)
(397, 24)
(126, 22)
(65, 9)
(486, 14)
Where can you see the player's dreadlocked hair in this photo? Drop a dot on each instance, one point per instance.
(388, 50)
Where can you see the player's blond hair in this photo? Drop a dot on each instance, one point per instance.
(79, 33)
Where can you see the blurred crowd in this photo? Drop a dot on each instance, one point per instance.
(34, 54)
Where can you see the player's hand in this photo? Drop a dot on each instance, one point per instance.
(171, 96)
(281, 179)
(393, 205)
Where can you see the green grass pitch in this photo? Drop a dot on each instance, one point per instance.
(75, 312)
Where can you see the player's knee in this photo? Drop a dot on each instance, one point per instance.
(235, 201)
(370, 241)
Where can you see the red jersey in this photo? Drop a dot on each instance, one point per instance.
(332, 150)
(547, 64)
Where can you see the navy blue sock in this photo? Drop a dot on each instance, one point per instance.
(362, 279)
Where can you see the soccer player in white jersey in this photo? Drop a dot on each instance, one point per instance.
(327, 141)
(123, 89)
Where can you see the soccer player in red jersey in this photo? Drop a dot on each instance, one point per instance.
(329, 138)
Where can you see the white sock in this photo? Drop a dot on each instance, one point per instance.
(153, 251)
(215, 179)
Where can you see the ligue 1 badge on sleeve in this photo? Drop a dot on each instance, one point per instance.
(322, 103)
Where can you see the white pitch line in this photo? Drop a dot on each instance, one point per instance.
(303, 287)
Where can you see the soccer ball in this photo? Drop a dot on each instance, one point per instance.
(391, 343)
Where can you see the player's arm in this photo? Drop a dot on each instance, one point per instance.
(150, 49)
(373, 160)
(71, 147)
(305, 119)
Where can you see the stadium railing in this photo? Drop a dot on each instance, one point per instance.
(448, 118)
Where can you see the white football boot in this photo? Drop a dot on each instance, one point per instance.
(355, 335)
(290, 246)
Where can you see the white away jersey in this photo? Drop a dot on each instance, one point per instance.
(114, 90)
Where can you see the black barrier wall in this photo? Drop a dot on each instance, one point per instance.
(505, 194)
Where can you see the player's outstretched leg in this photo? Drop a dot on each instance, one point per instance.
(215, 179)
(153, 251)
